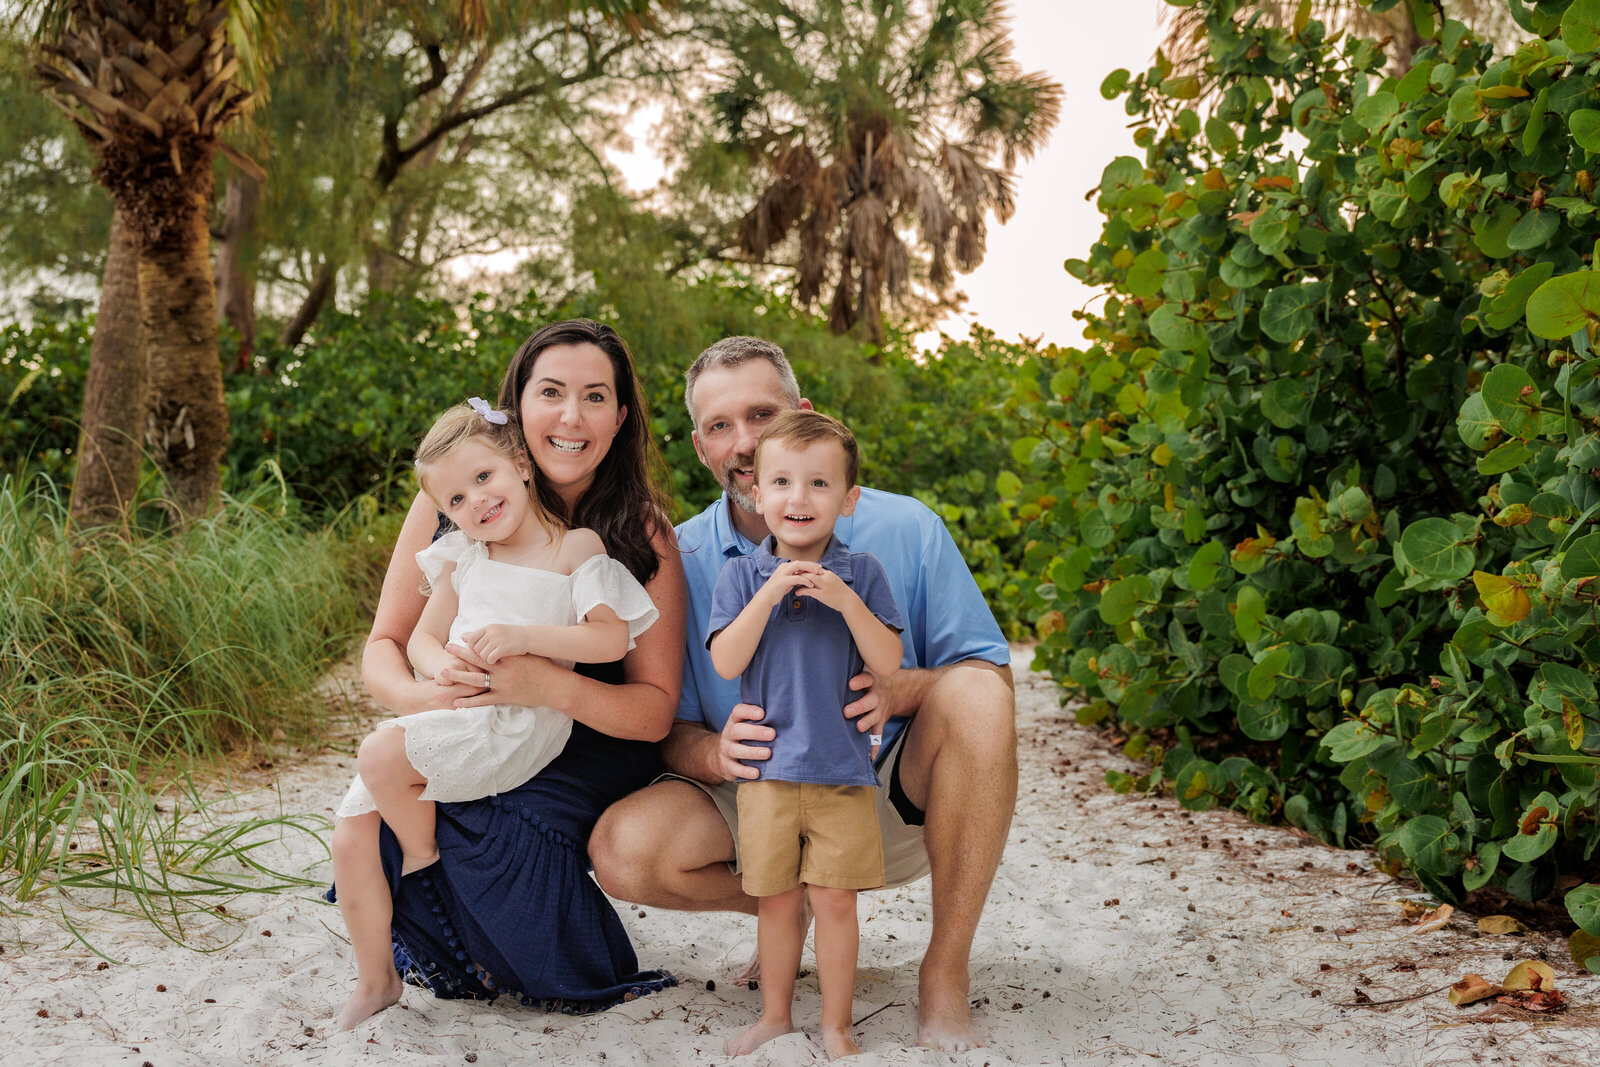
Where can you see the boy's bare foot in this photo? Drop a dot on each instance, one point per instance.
(410, 863)
(944, 1018)
(755, 1037)
(839, 1044)
(364, 1003)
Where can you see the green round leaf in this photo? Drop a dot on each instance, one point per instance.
(1174, 329)
(1427, 841)
(1119, 601)
(1580, 26)
(1264, 675)
(1376, 110)
(1533, 230)
(1583, 904)
(1412, 785)
(1474, 423)
(1264, 722)
(1288, 312)
(1488, 860)
(1205, 564)
(1582, 558)
(1508, 457)
(1434, 547)
(1585, 126)
(1512, 399)
(1251, 610)
(1561, 306)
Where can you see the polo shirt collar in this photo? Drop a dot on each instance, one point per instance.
(836, 557)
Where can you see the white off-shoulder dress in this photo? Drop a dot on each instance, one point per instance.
(469, 753)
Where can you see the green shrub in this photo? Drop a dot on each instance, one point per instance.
(1316, 503)
(337, 418)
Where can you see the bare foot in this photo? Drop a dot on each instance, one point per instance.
(755, 1037)
(839, 1044)
(410, 864)
(944, 1020)
(364, 1003)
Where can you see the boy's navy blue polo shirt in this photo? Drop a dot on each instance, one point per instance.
(800, 673)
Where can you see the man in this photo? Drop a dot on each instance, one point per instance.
(948, 761)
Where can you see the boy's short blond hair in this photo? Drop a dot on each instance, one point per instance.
(804, 429)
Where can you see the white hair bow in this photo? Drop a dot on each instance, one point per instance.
(481, 406)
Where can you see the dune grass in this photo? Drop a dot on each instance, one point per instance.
(133, 666)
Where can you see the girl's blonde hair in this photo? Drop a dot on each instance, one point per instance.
(462, 423)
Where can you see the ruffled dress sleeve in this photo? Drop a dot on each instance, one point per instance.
(602, 580)
(455, 548)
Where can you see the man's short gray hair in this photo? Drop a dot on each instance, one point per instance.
(731, 352)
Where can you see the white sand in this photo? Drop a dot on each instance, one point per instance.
(1111, 936)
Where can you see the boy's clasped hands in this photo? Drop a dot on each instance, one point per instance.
(808, 580)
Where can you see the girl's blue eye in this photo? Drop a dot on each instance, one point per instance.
(455, 500)
(483, 476)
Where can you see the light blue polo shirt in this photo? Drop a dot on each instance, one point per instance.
(946, 619)
(801, 669)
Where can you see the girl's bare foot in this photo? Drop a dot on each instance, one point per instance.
(409, 863)
(756, 1036)
(366, 1002)
(839, 1044)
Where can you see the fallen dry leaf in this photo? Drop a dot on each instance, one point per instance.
(1534, 999)
(1435, 919)
(1583, 947)
(1531, 974)
(1412, 912)
(1471, 989)
(1500, 924)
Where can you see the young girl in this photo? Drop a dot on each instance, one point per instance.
(508, 581)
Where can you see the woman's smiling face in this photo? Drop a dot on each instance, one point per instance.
(569, 415)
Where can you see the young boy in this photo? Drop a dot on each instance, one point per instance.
(796, 621)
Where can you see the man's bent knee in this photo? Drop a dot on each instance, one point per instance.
(645, 838)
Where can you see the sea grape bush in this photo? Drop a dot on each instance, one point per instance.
(1317, 516)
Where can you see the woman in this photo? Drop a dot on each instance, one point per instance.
(510, 907)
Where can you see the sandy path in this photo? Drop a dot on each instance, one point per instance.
(1120, 930)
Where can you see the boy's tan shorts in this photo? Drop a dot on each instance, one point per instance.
(794, 832)
(905, 855)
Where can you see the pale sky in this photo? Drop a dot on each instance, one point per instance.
(1021, 289)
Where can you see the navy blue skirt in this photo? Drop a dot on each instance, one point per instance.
(510, 908)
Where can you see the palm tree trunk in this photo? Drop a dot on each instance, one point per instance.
(115, 392)
(236, 284)
(188, 426)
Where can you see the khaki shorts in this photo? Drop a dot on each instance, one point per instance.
(794, 832)
(905, 854)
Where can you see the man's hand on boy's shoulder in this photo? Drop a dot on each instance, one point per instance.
(744, 737)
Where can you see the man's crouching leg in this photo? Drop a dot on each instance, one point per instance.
(960, 768)
(668, 847)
